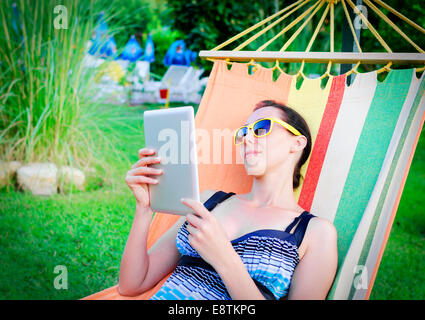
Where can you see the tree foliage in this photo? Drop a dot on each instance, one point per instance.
(207, 23)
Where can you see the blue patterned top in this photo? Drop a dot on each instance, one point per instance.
(269, 255)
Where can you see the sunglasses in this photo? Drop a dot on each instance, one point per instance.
(262, 128)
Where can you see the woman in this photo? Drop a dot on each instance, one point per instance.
(278, 250)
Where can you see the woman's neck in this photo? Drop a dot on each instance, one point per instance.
(273, 190)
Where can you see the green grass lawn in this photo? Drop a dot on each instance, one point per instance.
(87, 231)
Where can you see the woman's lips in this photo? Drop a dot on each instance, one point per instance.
(251, 153)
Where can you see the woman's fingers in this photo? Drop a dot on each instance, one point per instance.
(146, 157)
(138, 172)
(197, 207)
(140, 179)
(145, 151)
(194, 220)
(145, 170)
(192, 230)
(145, 161)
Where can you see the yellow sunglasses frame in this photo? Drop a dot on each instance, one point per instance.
(287, 126)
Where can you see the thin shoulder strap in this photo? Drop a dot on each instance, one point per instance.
(216, 198)
(302, 227)
(292, 225)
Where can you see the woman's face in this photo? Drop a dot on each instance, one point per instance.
(269, 153)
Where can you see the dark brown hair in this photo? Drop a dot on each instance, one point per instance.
(297, 121)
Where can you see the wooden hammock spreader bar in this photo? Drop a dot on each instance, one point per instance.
(316, 57)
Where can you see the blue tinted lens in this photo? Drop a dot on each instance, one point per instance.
(262, 127)
(242, 132)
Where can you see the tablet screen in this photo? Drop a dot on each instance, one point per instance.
(171, 132)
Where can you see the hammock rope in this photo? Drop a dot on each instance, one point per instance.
(361, 57)
(319, 26)
(401, 16)
(299, 18)
(301, 28)
(259, 24)
(387, 20)
(369, 25)
(261, 48)
(350, 23)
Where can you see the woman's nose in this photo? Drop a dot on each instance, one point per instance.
(250, 138)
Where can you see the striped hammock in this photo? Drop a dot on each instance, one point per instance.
(364, 137)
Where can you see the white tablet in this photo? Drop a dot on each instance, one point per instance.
(171, 132)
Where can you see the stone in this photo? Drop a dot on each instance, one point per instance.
(38, 178)
(7, 171)
(14, 166)
(3, 174)
(68, 176)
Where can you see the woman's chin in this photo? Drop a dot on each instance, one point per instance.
(254, 170)
(255, 165)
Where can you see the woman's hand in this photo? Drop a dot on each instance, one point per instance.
(138, 179)
(206, 235)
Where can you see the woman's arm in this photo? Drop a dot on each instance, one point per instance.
(314, 274)
(136, 271)
(141, 269)
(135, 259)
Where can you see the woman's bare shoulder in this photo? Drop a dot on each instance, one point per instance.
(322, 229)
